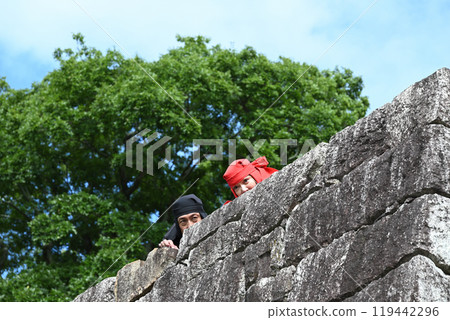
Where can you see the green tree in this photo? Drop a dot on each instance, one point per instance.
(70, 206)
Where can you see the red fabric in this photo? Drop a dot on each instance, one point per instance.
(241, 168)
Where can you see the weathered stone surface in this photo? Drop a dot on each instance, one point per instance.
(123, 291)
(419, 165)
(264, 258)
(425, 102)
(318, 275)
(272, 288)
(221, 244)
(358, 258)
(171, 286)
(286, 185)
(136, 278)
(416, 280)
(101, 292)
(353, 145)
(225, 281)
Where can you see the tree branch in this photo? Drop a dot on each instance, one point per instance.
(136, 184)
(123, 181)
(17, 209)
(187, 170)
(132, 134)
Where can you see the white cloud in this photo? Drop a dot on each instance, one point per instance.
(395, 44)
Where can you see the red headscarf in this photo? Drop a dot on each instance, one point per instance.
(241, 168)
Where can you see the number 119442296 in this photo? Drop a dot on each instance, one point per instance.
(380, 311)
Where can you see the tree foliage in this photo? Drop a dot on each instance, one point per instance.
(70, 206)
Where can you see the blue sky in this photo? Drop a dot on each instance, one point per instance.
(395, 44)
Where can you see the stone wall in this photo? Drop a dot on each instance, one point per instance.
(365, 217)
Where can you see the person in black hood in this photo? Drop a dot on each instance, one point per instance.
(186, 211)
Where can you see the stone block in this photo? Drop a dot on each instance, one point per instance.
(171, 286)
(219, 245)
(417, 280)
(265, 257)
(319, 275)
(136, 278)
(101, 292)
(359, 257)
(423, 103)
(420, 165)
(225, 281)
(272, 288)
(123, 291)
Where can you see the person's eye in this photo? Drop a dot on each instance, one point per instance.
(246, 181)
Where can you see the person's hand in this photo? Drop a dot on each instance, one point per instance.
(168, 244)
